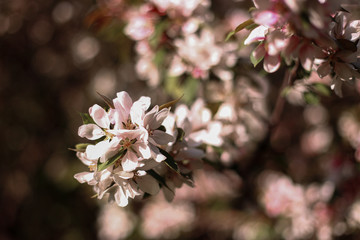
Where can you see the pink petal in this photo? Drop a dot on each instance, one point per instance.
(272, 63)
(90, 131)
(100, 116)
(138, 109)
(266, 18)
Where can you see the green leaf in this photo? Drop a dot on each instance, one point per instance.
(171, 103)
(322, 89)
(251, 26)
(253, 60)
(180, 135)
(107, 100)
(239, 28)
(311, 98)
(169, 160)
(229, 35)
(111, 161)
(159, 178)
(81, 147)
(86, 118)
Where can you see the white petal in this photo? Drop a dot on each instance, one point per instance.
(95, 151)
(90, 131)
(84, 177)
(143, 149)
(100, 116)
(120, 198)
(257, 34)
(138, 109)
(82, 156)
(129, 161)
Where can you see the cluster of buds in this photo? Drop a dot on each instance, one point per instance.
(133, 153)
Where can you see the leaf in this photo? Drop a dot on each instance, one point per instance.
(86, 118)
(311, 98)
(169, 160)
(81, 147)
(322, 89)
(107, 100)
(239, 28)
(253, 60)
(159, 178)
(180, 135)
(112, 160)
(169, 104)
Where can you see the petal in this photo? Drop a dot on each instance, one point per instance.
(123, 174)
(257, 34)
(100, 116)
(148, 184)
(122, 105)
(84, 177)
(143, 149)
(129, 161)
(324, 69)
(90, 131)
(120, 197)
(82, 156)
(124, 100)
(95, 151)
(150, 118)
(266, 18)
(138, 109)
(272, 63)
(148, 164)
(155, 153)
(343, 71)
(168, 194)
(161, 138)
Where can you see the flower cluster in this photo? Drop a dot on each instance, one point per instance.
(322, 35)
(133, 154)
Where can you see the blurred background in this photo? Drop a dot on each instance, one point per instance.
(52, 63)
